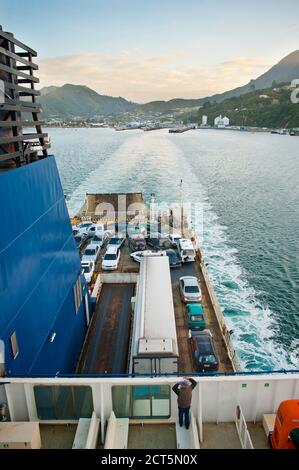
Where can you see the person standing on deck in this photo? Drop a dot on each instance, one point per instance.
(184, 392)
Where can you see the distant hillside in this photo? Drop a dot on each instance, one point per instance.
(271, 107)
(48, 89)
(168, 106)
(283, 72)
(71, 101)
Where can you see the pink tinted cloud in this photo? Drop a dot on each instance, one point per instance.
(146, 79)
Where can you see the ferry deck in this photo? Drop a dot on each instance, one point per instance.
(109, 331)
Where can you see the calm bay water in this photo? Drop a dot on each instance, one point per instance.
(247, 185)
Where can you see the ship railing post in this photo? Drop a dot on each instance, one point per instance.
(30, 401)
(102, 414)
(199, 414)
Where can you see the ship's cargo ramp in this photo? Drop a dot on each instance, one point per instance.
(107, 342)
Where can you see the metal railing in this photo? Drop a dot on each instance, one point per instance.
(242, 429)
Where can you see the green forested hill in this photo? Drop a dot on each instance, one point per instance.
(271, 107)
(70, 101)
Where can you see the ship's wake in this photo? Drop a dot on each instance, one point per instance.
(155, 164)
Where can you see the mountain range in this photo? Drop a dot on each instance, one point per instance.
(69, 101)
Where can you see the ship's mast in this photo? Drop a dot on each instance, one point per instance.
(182, 207)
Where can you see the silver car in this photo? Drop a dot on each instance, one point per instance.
(190, 290)
(91, 253)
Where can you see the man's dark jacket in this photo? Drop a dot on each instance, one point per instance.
(184, 393)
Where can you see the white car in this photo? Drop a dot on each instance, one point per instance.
(190, 290)
(84, 226)
(99, 240)
(116, 241)
(174, 239)
(95, 229)
(138, 255)
(87, 270)
(91, 253)
(111, 258)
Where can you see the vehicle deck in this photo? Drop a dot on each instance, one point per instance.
(185, 361)
(107, 342)
(105, 330)
(126, 263)
(193, 269)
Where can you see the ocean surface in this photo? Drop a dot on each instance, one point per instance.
(245, 186)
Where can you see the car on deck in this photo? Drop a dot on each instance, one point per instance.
(99, 240)
(111, 258)
(190, 289)
(204, 352)
(137, 242)
(174, 260)
(196, 318)
(158, 241)
(80, 239)
(174, 240)
(95, 229)
(91, 253)
(116, 241)
(88, 270)
(84, 226)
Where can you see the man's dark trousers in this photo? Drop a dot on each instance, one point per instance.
(184, 414)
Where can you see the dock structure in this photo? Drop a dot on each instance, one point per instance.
(180, 130)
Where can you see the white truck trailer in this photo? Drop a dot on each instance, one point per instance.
(154, 348)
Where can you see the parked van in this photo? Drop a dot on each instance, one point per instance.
(186, 251)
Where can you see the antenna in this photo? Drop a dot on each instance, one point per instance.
(182, 208)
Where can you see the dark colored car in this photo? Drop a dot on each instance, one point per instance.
(158, 242)
(137, 242)
(174, 260)
(203, 351)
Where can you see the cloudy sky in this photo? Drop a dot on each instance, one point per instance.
(154, 49)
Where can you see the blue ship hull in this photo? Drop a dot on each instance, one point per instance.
(39, 268)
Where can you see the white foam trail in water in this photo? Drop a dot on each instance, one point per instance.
(253, 324)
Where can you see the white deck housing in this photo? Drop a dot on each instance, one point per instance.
(214, 404)
(154, 343)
